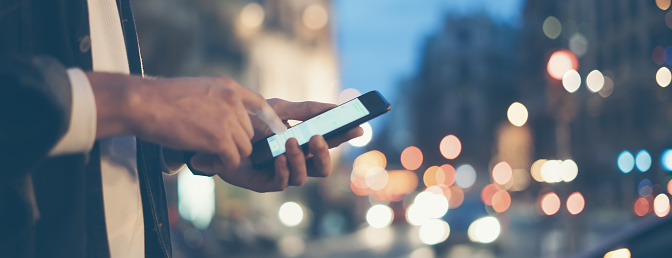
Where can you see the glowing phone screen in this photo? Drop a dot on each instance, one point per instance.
(321, 124)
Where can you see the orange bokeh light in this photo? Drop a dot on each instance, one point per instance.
(502, 173)
(487, 193)
(456, 197)
(431, 175)
(450, 147)
(501, 201)
(411, 158)
(560, 62)
(550, 203)
(575, 203)
(446, 175)
(669, 186)
(358, 190)
(641, 206)
(370, 159)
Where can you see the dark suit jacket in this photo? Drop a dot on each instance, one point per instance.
(53, 207)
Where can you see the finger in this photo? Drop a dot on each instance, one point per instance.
(256, 105)
(244, 119)
(204, 164)
(297, 163)
(320, 164)
(301, 110)
(344, 137)
(281, 178)
(242, 141)
(229, 154)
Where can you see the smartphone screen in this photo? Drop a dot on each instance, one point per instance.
(321, 124)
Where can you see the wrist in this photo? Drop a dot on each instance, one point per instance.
(117, 102)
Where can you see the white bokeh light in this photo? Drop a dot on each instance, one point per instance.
(379, 216)
(571, 81)
(434, 231)
(595, 81)
(363, 140)
(517, 114)
(196, 198)
(663, 77)
(569, 170)
(484, 230)
(290, 214)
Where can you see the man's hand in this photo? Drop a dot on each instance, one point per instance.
(210, 115)
(293, 167)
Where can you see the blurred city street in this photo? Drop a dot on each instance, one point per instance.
(518, 128)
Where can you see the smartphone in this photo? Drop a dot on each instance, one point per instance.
(329, 123)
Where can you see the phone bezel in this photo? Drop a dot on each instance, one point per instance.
(373, 101)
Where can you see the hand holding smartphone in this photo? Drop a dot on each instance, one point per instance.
(328, 124)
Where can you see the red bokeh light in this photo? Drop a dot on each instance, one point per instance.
(560, 62)
(487, 193)
(641, 206)
(411, 158)
(550, 203)
(575, 203)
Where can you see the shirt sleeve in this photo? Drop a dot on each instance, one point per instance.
(81, 133)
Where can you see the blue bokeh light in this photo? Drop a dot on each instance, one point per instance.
(666, 160)
(643, 160)
(645, 187)
(626, 162)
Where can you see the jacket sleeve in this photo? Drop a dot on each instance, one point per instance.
(35, 108)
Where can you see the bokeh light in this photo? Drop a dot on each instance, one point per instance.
(626, 162)
(290, 214)
(370, 159)
(427, 205)
(366, 137)
(571, 81)
(456, 197)
(431, 175)
(666, 160)
(535, 171)
(668, 19)
(560, 62)
(645, 188)
(595, 81)
(434, 231)
(252, 15)
(643, 160)
(376, 178)
(487, 193)
(552, 27)
(578, 44)
(517, 114)
(501, 201)
(569, 170)
(661, 205)
(379, 216)
(550, 203)
(618, 253)
(641, 206)
(608, 87)
(465, 176)
(575, 203)
(446, 175)
(315, 17)
(502, 173)
(484, 230)
(450, 147)
(669, 187)
(663, 77)
(658, 55)
(551, 171)
(411, 158)
(663, 4)
(196, 198)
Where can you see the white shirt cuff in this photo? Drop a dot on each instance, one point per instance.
(81, 133)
